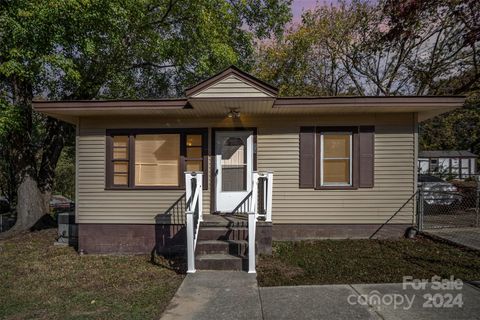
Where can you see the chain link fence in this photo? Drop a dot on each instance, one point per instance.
(452, 212)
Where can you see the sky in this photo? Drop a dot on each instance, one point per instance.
(298, 6)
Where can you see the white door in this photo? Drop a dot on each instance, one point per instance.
(233, 168)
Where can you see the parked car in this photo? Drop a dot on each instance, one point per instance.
(437, 191)
(60, 203)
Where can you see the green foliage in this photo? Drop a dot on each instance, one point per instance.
(86, 49)
(9, 118)
(9, 125)
(386, 48)
(65, 174)
(356, 48)
(73, 49)
(313, 57)
(457, 130)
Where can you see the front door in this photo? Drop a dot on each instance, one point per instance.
(233, 168)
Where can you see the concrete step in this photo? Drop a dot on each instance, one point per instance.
(213, 220)
(218, 261)
(222, 233)
(233, 247)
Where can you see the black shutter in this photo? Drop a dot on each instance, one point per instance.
(307, 157)
(366, 156)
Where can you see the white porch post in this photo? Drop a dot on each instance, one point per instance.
(252, 224)
(190, 244)
(189, 222)
(253, 203)
(268, 218)
(195, 202)
(252, 220)
(188, 186)
(200, 195)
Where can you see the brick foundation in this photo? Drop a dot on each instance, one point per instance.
(131, 238)
(171, 238)
(337, 231)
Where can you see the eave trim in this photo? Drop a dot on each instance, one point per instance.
(355, 101)
(76, 105)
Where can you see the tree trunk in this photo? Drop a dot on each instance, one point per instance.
(35, 187)
(32, 205)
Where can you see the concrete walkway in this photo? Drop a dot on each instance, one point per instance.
(235, 295)
(213, 295)
(468, 237)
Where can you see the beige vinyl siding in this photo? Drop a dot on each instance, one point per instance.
(278, 151)
(95, 204)
(231, 86)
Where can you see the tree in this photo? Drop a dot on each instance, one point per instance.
(452, 66)
(9, 125)
(120, 49)
(64, 182)
(413, 47)
(366, 48)
(308, 60)
(457, 130)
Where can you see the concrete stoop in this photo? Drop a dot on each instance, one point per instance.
(222, 244)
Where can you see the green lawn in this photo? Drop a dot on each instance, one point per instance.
(364, 261)
(41, 281)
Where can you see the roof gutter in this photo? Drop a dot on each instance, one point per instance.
(390, 101)
(78, 105)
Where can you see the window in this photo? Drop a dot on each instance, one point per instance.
(454, 166)
(154, 159)
(194, 159)
(120, 160)
(336, 158)
(465, 168)
(422, 166)
(234, 165)
(157, 160)
(434, 165)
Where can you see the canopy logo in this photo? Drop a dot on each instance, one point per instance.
(437, 293)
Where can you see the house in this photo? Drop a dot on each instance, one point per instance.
(325, 167)
(455, 164)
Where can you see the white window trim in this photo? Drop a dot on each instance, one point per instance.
(322, 134)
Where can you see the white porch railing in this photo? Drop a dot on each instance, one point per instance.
(260, 206)
(194, 198)
(262, 187)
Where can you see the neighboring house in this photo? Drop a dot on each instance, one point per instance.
(456, 164)
(342, 166)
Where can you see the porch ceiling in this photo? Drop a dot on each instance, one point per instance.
(221, 106)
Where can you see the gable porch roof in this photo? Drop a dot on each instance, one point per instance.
(232, 72)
